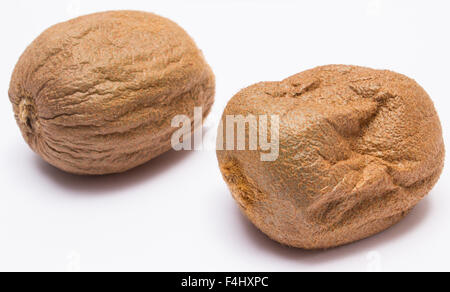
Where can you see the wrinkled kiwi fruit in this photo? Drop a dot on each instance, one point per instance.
(96, 95)
(358, 149)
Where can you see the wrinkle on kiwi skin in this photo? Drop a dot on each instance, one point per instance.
(359, 148)
(96, 95)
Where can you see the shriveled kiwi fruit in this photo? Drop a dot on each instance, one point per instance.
(96, 95)
(358, 149)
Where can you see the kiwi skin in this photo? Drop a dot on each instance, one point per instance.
(359, 149)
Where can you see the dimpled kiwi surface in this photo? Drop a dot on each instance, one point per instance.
(96, 95)
(359, 148)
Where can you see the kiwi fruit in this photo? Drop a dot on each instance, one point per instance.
(96, 95)
(358, 149)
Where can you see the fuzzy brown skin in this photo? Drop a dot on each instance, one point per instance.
(359, 148)
(96, 95)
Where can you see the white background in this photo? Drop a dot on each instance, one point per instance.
(175, 213)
